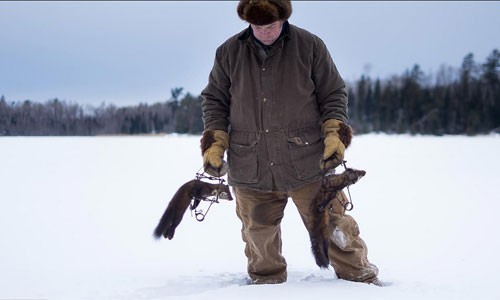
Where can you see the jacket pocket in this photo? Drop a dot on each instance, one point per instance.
(243, 161)
(306, 150)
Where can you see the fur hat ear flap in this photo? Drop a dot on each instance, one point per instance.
(263, 12)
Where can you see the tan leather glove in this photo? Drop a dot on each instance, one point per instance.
(213, 145)
(337, 136)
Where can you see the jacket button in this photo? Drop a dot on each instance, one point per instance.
(265, 99)
(263, 69)
(267, 130)
(271, 163)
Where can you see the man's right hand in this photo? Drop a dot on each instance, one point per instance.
(213, 145)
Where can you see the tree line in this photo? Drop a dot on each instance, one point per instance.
(464, 100)
(60, 118)
(461, 101)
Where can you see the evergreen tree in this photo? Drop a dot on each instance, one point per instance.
(189, 115)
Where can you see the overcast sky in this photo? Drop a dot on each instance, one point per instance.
(131, 52)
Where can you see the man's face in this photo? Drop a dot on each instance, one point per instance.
(267, 34)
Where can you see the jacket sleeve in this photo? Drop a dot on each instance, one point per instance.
(216, 96)
(330, 87)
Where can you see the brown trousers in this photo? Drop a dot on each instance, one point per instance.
(261, 214)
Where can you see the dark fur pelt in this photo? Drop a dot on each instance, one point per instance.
(207, 140)
(322, 224)
(345, 134)
(263, 12)
(194, 189)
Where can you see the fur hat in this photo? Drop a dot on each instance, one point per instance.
(263, 12)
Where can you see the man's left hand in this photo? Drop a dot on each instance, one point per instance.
(333, 154)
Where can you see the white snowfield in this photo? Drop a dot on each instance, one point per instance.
(77, 216)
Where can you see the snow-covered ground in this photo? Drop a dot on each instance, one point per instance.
(77, 215)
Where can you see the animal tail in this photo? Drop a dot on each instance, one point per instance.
(319, 242)
(320, 252)
(172, 216)
(168, 223)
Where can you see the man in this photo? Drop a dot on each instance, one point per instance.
(276, 102)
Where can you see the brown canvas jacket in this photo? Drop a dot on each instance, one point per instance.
(273, 107)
